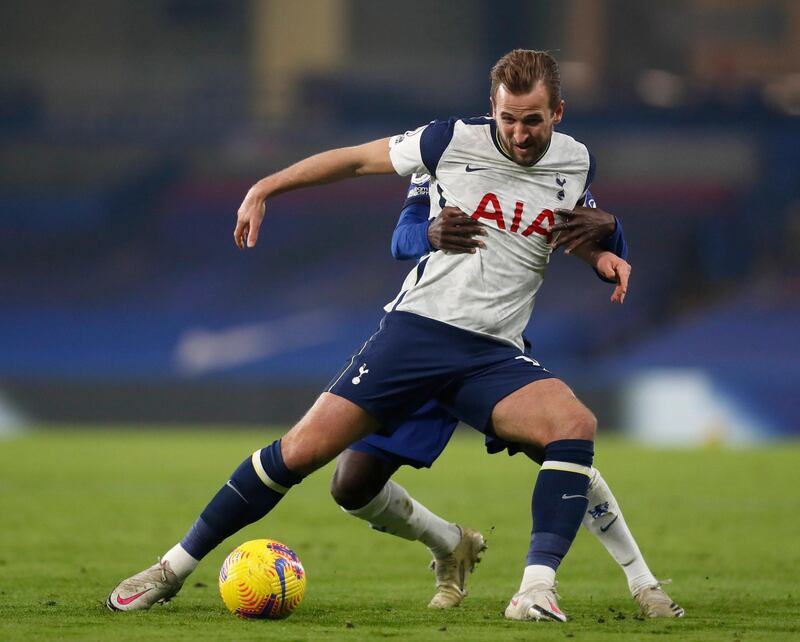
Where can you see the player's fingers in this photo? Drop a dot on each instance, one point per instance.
(456, 243)
(562, 238)
(622, 271)
(252, 234)
(450, 212)
(576, 241)
(466, 231)
(624, 277)
(462, 219)
(239, 233)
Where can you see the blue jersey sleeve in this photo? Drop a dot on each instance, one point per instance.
(616, 242)
(410, 237)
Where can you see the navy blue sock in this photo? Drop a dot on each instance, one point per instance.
(559, 500)
(253, 490)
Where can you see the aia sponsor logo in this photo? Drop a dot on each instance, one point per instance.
(489, 208)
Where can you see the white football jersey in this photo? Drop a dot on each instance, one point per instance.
(491, 292)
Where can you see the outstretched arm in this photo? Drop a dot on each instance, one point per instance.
(327, 167)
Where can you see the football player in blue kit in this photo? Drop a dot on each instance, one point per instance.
(362, 483)
(453, 333)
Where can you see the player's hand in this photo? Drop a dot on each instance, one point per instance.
(455, 232)
(581, 225)
(248, 219)
(615, 269)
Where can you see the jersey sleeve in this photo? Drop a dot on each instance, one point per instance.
(418, 191)
(419, 151)
(410, 236)
(616, 242)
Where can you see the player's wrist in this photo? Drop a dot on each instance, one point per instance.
(262, 189)
(609, 227)
(600, 257)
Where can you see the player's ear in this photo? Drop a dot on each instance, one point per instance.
(558, 114)
(491, 105)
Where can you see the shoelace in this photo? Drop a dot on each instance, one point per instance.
(163, 565)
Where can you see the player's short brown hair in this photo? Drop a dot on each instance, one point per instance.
(519, 71)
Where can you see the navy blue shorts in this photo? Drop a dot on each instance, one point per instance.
(412, 361)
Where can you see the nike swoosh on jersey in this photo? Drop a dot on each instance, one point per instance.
(475, 169)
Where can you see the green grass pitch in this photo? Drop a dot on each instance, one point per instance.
(81, 510)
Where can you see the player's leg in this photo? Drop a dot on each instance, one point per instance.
(545, 413)
(252, 491)
(362, 485)
(604, 519)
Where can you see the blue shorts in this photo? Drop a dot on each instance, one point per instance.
(419, 376)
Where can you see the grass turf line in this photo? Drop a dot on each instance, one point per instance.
(83, 509)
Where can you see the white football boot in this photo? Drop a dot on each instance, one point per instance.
(536, 603)
(654, 602)
(155, 584)
(451, 571)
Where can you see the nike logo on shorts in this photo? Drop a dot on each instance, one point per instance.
(565, 496)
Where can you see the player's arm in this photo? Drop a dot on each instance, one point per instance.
(410, 236)
(451, 231)
(320, 169)
(587, 222)
(416, 235)
(608, 266)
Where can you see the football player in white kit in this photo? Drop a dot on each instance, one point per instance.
(362, 483)
(453, 333)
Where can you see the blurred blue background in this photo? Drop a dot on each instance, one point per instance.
(131, 132)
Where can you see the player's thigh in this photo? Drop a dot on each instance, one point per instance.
(332, 424)
(542, 412)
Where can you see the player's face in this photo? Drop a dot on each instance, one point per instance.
(525, 122)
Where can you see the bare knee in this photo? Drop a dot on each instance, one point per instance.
(358, 478)
(347, 491)
(581, 424)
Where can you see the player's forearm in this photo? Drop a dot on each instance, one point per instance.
(328, 167)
